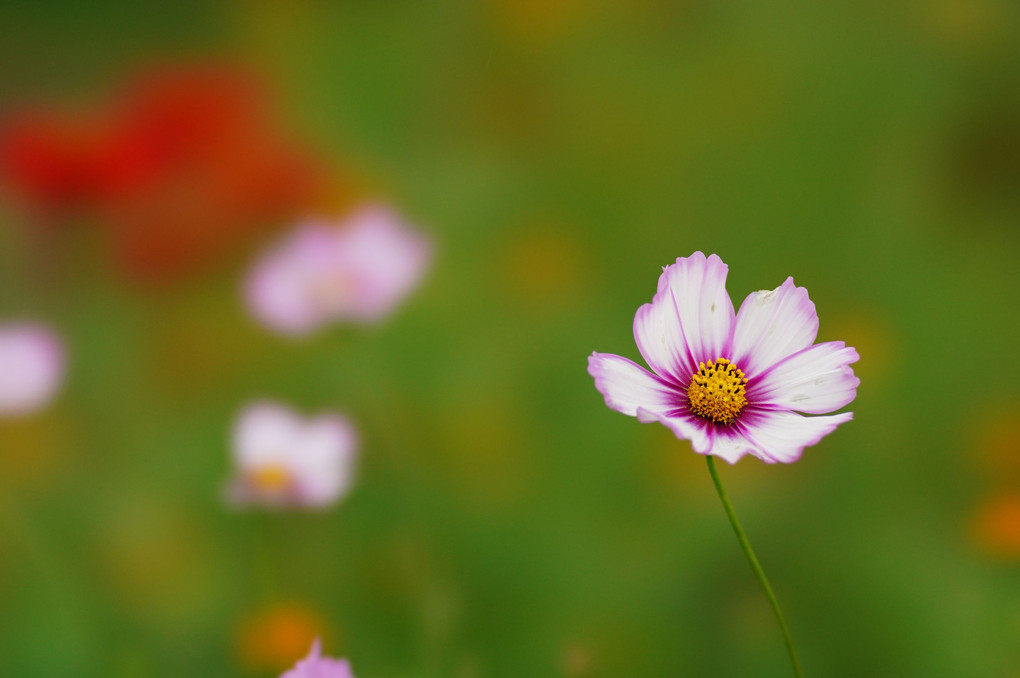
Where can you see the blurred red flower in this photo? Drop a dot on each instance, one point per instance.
(47, 160)
(180, 167)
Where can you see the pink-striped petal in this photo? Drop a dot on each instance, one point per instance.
(627, 386)
(771, 325)
(690, 319)
(729, 444)
(815, 380)
(683, 425)
(661, 341)
(780, 437)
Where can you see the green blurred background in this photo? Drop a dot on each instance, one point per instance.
(505, 523)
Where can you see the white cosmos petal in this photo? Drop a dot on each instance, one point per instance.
(322, 459)
(386, 259)
(729, 445)
(316, 666)
(691, 320)
(772, 324)
(693, 290)
(782, 436)
(263, 435)
(32, 362)
(815, 380)
(283, 289)
(661, 341)
(355, 270)
(314, 456)
(628, 386)
(684, 426)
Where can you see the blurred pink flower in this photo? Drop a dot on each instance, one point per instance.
(732, 385)
(285, 460)
(357, 270)
(31, 367)
(317, 666)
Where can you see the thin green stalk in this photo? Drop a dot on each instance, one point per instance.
(758, 572)
(266, 556)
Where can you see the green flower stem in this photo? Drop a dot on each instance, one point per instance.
(758, 572)
(267, 550)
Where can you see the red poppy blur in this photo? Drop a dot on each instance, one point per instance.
(181, 168)
(46, 160)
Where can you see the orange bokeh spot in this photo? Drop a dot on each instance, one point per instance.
(996, 526)
(576, 660)
(998, 444)
(34, 448)
(275, 637)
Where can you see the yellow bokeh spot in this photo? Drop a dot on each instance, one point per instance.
(155, 561)
(270, 478)
(874, 337)
(538, 20)
(545, 265)
(966, 25)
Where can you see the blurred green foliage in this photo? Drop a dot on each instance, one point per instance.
(505, 523)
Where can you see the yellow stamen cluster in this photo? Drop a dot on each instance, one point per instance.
(717, 391)
(271, 478)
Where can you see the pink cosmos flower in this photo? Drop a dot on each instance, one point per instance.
(730, 384)
(31, 367)
(317, 666)
(284, 460)
(357, 270)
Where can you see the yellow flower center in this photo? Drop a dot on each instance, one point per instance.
(270, 479)
(717, 391)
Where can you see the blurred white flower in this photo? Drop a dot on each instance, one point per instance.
(31, 367)
(283, 460)
(356, 270)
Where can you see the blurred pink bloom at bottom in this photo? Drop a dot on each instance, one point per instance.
(357, 270)
(317, 666)
(31, 367)
(283, 459)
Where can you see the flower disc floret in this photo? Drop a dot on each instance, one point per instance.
(717, 391)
